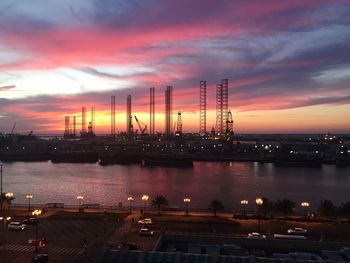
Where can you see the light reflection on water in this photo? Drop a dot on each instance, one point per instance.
(228, 182)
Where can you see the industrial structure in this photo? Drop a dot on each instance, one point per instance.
(91, 127)
(221, 106)
(168, 110)
(179, 123)
(202, 107)
(129, 126)
(83, 120)
(69, 127)
(224, 120)
(229, 123)
(66, 126)
(142, 126)
(113, 116)
(152, 111)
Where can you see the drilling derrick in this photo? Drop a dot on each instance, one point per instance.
(66, 126)
(152, 112)
(179, 124)
(129, 126)
(229, 123)
(202, 107)
(83, 120)
(74, 126)
(221, 106)
(168, 110)
(113, 116)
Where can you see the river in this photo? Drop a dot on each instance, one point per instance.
(228, 182)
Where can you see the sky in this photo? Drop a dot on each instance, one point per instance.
(288, 62)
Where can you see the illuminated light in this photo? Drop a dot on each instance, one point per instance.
(316, 151)
(259, 201)
(144, 197)
(291, 152)
(9, 194)
(244, 202)
(187, 200)
(305, 204)
(37, 212)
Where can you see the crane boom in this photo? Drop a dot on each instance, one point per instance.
(142, 126)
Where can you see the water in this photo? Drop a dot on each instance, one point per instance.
(227, 182)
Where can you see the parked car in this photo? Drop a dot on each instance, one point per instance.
(16, 226)
(256, 235)
(146, 232)
(297, 230)
(30, 221)
(40, 258)
(145, 221)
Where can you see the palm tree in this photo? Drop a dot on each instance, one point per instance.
(160, 201)
(345, 209)
(216, 205)
(326, 208)
(285, 206)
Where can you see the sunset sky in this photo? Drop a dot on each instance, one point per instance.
(288, 62)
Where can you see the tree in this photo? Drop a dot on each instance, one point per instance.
(160, 201)
(216, 205)
(326, 208)
(285, 206)
(345, 209)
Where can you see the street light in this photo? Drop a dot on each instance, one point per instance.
(305, 205)
(187, 201)
(259, 202)
(36, 212)
(1, 182)
(244, 203)
(8, 196)
(29, 197)
(144, 199)
(80, 198)
(130, 199)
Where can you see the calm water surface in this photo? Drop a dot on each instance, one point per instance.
(228, 182)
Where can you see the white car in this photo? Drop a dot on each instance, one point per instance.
(146, 232)
(16, 226)
(256, 235)
(297, 230)
(145, 221)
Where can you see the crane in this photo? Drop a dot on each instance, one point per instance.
(142, 126)
(13, 128)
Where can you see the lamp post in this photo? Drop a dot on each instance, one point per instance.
(305, 205)
(36, 212)
(187, 202)
(29, 197)
(80, 198)
(144, 199)
(130, 199)
(8, 196)
(244, 203)
(259, 202)
(1, 181)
